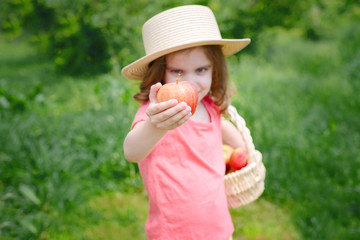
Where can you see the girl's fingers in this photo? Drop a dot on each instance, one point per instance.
(153, 90)
(173, 117)
(157, 108)
(176, 123)
(168, 114)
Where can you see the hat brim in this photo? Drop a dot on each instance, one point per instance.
(138, 68)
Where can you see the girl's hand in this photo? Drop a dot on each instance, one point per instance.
(141, 140)
(166, 115)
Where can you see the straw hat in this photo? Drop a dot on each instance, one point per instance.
(179, 28)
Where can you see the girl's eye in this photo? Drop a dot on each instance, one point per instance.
(200, 70)
(176, 71)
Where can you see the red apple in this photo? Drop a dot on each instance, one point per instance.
(238, 159)
(182, 91)
(227, 151)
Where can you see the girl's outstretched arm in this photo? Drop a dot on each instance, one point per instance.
(162, 117)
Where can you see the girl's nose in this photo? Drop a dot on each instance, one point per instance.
(192, 79)
(189, 78)
(184, 77)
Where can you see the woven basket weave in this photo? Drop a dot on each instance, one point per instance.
(247, 184)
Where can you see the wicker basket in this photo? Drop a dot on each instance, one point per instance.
(247, 184)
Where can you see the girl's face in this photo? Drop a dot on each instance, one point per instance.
(193, 65)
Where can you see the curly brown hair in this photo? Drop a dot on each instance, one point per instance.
(219, 91)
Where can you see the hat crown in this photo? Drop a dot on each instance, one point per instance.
(179, 26)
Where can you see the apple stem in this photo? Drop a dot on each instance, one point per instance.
(177, 79)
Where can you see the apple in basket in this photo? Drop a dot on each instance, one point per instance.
(182, 91)
(227, 151)
(239, 159)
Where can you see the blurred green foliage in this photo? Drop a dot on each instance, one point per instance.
(60, 142)
(307, 129)
(91, 37)
(58, 150)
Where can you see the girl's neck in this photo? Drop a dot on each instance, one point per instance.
(201, 114)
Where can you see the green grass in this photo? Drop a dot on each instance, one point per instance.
(62, 145)
(63, 174)
(119, 215)
(122, 215)
(263, 220)
(303, 110)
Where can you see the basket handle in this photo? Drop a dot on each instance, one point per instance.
(244, 131)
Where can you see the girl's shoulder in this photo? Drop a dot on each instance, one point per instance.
(208, 100)
(210, 104)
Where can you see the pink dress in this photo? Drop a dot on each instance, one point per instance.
(183, 177)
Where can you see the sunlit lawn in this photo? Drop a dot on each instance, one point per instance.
(117, 215)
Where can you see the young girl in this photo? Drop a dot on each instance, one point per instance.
(180, 155)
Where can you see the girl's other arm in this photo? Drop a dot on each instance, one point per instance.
(231, 135)
(162, 117)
